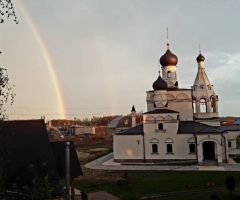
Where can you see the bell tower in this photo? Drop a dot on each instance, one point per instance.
(205, 101)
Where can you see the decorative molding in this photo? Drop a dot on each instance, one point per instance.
(182, 96)
(170, 97)
(169, 117)
(236, 136)
(208, 140)
(154, 140)
(160, 117)
(169, 140)
(202, 97)
(170, 83)
(191, 140)
(150, 118)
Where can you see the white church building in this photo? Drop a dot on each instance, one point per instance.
(180, 125)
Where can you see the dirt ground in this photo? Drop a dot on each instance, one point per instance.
(90, 153)
(110, 175)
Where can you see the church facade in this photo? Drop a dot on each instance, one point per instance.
(180, 125)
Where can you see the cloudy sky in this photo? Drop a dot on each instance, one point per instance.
(81, 58)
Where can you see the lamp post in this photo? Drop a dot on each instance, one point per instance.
(67, 151)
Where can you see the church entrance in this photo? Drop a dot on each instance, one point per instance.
(208, 150)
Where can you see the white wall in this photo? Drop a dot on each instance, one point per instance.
(216, 138)
(180, 146)
(232, 136)
(128, 146)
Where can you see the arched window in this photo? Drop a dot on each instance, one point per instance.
(168, 74)
(160, 126)
(192, 148)
(194, 105)
(169, 148)
(213, 104)
(154, 148)
(203, 106)
(201, 87)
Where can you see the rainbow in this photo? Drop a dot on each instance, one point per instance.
(47, 58)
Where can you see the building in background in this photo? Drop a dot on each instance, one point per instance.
(120, 123)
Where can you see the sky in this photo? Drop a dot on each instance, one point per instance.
(84, 58)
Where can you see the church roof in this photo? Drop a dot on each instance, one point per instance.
(228, 128)
(25, 139)
(160, 84)
(196, 127)
(133, 109)
(137, 130)
(237, 122)
(210, 130)
(206, 118)
(115, 121)
(177, 89)
(168, 58)
(173, 89)
(161, 111)
(200, 58)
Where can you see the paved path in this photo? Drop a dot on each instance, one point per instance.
(106, 163)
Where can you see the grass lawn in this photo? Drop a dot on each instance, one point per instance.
(154, 182)
(220, 195)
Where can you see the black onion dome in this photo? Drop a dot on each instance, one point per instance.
(168, 58)
(160, 84)
(200, 58)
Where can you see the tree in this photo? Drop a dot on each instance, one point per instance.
(7, 10)
(6, 92)
(230, 184)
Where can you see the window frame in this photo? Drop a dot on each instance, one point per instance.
(171, 148)
(159, 126)
(229, 144)
(192, 152)
(169, 74)
(154, 148)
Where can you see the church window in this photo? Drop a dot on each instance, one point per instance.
(229, 144)
(168, 74)
(192, 148)
(154, 148)
(160, 126)
(194, 105)
(169, 148)
(213, 104)
(201, 87)
(203, 106)
(238, 141)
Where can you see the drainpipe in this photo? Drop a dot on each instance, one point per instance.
(196, 145)
(225, 146)
(144, 159)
